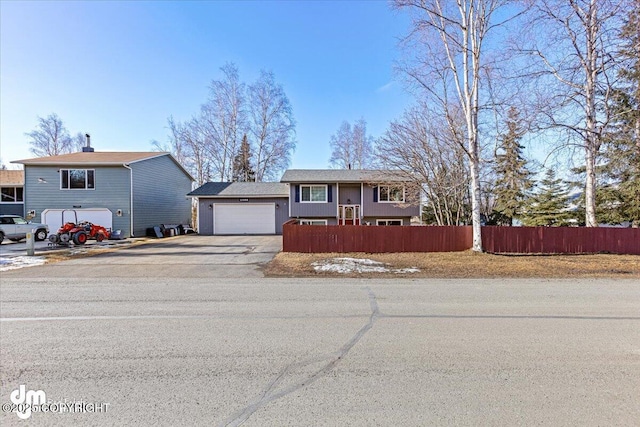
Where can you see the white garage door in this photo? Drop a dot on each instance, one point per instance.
(54, 218)
(244, 218)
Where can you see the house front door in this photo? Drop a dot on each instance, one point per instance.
(349, 215)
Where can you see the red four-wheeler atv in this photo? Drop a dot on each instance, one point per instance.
(79, 233)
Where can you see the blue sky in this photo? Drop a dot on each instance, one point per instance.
(118, 70)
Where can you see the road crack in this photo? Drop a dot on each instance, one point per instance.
(272, 392)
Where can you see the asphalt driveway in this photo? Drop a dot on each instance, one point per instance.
(182, 256)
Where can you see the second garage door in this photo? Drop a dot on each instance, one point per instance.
(244, 218)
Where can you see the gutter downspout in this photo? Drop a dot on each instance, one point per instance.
(130, 198)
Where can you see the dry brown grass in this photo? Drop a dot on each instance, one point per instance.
(468, 264)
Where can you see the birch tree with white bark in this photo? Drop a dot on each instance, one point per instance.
(351, 147)
(211, 140)
(271, 127)
(448, 38)
(223, 122)
(570, 46)
(50, 138)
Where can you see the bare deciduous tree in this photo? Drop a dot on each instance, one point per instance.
(572, 54)
(420, 146)
(208, 143)
(187, 144)
(351, 146)
(222, 120)
(50, 138)
(450, 40)
(272, 127)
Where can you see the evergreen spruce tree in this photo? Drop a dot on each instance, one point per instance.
(619, 195)
(513, 178)
(242, 169)
(549, 206)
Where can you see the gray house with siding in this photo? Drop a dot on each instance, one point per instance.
(131, 190)
(351, 197)
(242, 207)
(312, 197)
(12, 191)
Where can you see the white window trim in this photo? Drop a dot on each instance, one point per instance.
(379, 221)
(322, 221)
(86, 177)
(326, 193)
(392, 201)
(15, 191)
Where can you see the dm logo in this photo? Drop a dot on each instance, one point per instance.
(25, 400)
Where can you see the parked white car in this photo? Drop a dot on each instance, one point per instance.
(14, 227)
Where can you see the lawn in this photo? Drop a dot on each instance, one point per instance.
(466, 264)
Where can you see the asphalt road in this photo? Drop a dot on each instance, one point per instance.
(195, 349)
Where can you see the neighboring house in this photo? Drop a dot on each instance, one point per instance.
(12, 189)
(128, 191)
(351, 197)
(242, 207)
(313, 197)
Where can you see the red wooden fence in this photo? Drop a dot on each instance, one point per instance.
(554, 240)
(354, 238)
(376, 239)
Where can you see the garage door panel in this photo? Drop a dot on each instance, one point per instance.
(54, 218)
(256, 218)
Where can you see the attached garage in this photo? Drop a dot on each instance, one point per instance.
(244, 218)
(241, 207)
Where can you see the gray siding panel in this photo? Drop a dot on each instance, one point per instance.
(12, 209)
(205, 218)
(112, 188)
(160, 188)
(312, 210)
(349, 192)
(382, 210)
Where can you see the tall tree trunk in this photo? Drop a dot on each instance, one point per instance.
(592, 143)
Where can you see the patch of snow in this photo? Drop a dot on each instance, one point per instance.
(357, 265)
(14, 262)
(407, 270)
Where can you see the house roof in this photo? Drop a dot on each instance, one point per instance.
(343, 175)
(103, 158)
(96, 158)
(241, 189)
(12, 177)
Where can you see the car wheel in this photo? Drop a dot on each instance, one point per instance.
(41, 234)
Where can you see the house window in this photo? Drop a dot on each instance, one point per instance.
(12, 194)
(313, 193)
(313, 222)
(77, 179)
(388, 222)
(390, 194)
